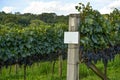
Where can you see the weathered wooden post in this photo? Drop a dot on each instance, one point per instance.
(73, 49)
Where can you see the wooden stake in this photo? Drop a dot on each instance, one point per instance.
(60, 64)
(73, 50)
(24, 72)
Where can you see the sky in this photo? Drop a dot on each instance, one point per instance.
(60, 7)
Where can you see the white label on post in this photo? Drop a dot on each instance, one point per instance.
(71, 37)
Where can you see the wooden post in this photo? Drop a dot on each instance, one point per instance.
(16, 68)
(0, 70)
(73, 50)
(25, 71)
(105, 71)
(97, 72)
(60, 63)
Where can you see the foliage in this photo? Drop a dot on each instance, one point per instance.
(35, 23)
(24, 20)
(26, 45)
(99, 34)
(48, 17)
(42, 71)
(27, 38)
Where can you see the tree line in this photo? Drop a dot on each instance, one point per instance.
(24, 20)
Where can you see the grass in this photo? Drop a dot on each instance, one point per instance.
(43, 71)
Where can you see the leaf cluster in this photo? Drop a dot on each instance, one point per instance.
(99, 32)
(30, 44)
